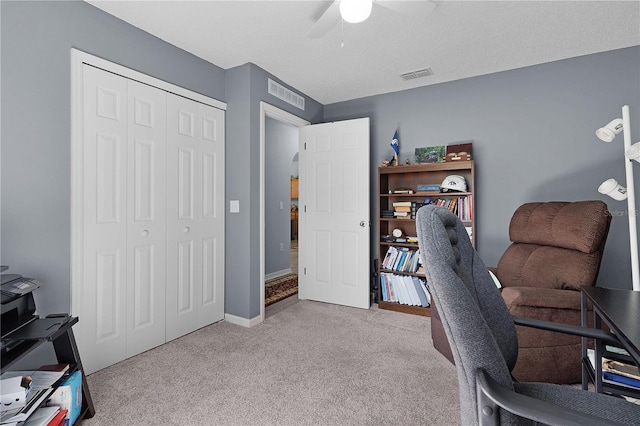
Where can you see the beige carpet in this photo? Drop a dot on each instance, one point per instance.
(309, 364)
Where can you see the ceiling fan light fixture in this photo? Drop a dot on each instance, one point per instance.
(355, 11)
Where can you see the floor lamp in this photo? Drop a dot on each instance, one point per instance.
(618, 192)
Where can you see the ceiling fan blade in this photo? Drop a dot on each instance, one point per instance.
(414, 8)
(328, 19)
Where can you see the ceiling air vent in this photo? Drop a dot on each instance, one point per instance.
(412, 75)
(279, 91)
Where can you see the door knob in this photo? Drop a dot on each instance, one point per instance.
(363, 223)
(145, 233)
(186, 229)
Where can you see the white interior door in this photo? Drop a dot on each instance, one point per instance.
(334, 213)
(195, 216)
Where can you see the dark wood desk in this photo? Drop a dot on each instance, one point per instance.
(57, 330)
(620, 311)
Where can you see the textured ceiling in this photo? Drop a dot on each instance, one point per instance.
(458, 39)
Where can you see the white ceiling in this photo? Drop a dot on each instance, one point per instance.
(459, 39)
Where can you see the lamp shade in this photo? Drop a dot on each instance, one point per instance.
(609, 132)
(633, 153)
(354, 11)
(613, 189)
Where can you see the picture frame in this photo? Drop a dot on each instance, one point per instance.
(430, 154)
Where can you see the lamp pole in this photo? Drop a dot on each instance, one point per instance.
(631, 199)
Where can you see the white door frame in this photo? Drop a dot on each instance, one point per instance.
(268, 110)
(78, 60)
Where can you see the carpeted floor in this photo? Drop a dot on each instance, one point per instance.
(311, 364)
(280, 288)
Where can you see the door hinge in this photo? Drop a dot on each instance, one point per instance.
(305, 208)
(305, 271)
(305, 146)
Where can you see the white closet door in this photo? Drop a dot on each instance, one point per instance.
(195, 216)
(211, 307)
(146, 231)
(101, 330)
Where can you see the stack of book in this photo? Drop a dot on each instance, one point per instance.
(617, 372)
(462, 206)
(401, 259)
(387, 214)
(405, 290)
(405, 209)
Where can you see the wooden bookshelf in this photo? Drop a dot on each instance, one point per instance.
(392, 178)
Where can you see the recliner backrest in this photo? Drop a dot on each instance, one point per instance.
(476, 320)
(555, 244)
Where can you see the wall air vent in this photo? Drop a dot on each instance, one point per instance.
(412, 75)
(281, 92)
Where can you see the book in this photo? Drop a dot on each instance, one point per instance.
(402, 209)
(620, 368)
(383, 288)
(393, 296)
(619, 379)
(59, 419)
(68, 396)
(418, 286)
(402, 204)
(411, 288)
(60, 368)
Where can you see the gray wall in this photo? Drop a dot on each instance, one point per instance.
(281, 145)
(533, 139)
(35, 166)
(246, 88)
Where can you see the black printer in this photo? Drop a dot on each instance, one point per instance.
(18, 305)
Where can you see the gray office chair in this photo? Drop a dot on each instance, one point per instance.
(483, 339)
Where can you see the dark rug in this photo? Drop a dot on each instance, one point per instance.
(280, 288)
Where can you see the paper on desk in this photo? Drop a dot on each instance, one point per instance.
(34, 400)
(39, 379)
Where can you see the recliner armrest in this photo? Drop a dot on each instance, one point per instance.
(536, 297)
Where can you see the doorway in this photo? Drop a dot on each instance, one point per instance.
(280, 203)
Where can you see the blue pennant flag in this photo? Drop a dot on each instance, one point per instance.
(394, 143)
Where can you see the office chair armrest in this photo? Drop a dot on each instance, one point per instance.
(575, 330)
(492, 395)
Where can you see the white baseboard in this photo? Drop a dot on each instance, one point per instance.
(277, 274)
(233, 319)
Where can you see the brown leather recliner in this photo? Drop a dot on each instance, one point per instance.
(556, 248)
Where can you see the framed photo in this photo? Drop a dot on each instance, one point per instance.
(430, 154)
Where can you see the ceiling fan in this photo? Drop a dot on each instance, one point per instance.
(354, 11)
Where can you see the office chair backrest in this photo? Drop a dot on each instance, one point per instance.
(475, 318)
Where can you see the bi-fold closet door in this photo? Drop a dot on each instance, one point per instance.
(153, 212)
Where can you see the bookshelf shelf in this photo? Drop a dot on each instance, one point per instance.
(409, 177)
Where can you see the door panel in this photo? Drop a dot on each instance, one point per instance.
(195, 227)
(211, 302)
(334, 221)
(146, 199)
(101, 331)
